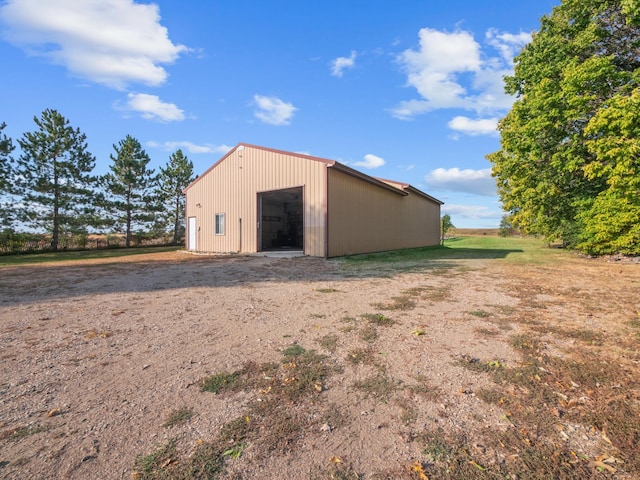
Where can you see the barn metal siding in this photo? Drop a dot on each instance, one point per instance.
(364, 218)
(232, 187)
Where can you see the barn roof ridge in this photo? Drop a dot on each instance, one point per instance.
(400, 188)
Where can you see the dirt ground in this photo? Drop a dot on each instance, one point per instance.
(96, 355)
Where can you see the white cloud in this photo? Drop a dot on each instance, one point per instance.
(432, 70)
(471, 213)
(477, 182)
(189, 147)
(489, 83)
(152, 108)
(481, 126)
(449, 70)
(341, 63)
(111, 42)
(370, 161)
(273, 111)
(507, 44)
(407, 109)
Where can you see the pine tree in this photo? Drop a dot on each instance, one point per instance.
(6, 147)
(53, 177)
(130, 187)
(177, 174)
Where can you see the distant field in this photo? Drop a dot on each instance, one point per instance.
(474, 231)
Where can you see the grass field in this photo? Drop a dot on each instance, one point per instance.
(36, 258)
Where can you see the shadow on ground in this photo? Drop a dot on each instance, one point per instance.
(45, 282)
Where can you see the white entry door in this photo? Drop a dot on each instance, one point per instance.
(192, 233)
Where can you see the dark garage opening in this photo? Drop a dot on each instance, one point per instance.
(281, 225)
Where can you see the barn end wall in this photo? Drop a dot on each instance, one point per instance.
(232, 186)
(363, 218)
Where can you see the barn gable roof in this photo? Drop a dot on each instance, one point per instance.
(390, 185)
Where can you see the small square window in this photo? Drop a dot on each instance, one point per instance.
(219, 227)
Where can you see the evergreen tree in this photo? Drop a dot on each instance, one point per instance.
(177, 174)
(6, 147)
(130, 187)
(554, 141)
(53, 177)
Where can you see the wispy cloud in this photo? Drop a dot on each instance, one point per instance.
(451, 70)
(370, 161)
(341, 63)
(152, 108)
(477, 182)
(189, 147)
(114, 43)
(508, 44)
(272, 110)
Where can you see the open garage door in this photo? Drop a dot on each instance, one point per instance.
(281, 225)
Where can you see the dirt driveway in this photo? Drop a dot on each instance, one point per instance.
(97, 358)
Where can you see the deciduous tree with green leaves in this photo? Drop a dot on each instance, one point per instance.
(506, 226)
(172, 179)
(53, 178)
(611, 224)
(130, 188)
(552, 169)
(445, 226)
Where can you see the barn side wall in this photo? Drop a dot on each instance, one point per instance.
(364, 218)
(232, 186)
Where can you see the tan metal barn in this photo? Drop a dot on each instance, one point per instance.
(257, 199)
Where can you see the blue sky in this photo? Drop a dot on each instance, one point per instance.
(407, 90)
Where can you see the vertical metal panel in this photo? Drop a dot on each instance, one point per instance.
(232, 186)
(364, 218)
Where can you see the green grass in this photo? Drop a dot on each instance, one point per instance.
(378, 319)
(480, 313)
(220, 382)
(364, 356)
(22, 432)
(329, 342)
(178, 416)
(404, 302)
(150, 466)
(293, 351)
(518, 250)
(369, 333)
(454, 457)
(379, 386)
(165, 463)
(51, 257)
(272, 424)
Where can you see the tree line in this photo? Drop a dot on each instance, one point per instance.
(51, 186)
(569, 163)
